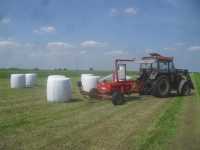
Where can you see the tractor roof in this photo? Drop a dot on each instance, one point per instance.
(157, 56)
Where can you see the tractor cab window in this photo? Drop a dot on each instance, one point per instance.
(171, 66)
(163, 65)
(145, 66)
(155, 65)
(149, 66)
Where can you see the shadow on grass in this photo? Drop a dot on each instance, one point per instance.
(126, 98)
(176, 95)
(134, 98)
(98, 100)
(130, 98)
(73, 100)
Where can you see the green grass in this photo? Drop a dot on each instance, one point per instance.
(188, 123)
(27, 121)
(165, 128)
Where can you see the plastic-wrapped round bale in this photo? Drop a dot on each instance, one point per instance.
(30, 79)
(83, 76)
(58, 89)
(49, 79)
(17, 81)
(90, 82)
(55, 76)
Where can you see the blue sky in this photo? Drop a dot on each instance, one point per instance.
(80, 34)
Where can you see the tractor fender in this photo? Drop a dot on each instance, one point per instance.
(181, 84)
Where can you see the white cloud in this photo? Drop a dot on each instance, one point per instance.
(58, 45)
(83, 52)
(28, 45)
(130, 11)
(114, 12)
(179, 43)
(92, 44)
(8, 44)
(116, 52)
(194, 48)
(45, 29)
(172, 2)
(5, 20)
(149, 50)
(36, 31)
(170, 48)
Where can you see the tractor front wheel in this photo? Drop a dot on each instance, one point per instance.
(117, 98)
(184, 88)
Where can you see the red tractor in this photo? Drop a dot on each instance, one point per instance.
(158, 77)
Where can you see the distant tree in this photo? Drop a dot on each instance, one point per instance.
(36, 69)
(12, 68)
(91, 69)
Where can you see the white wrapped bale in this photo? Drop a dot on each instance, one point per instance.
(17, 81)
(83, 76)
(90, 82)
(55, 76)
(58, 89)
(49, 79)
(30, 79)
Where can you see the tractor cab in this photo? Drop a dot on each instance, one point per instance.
(155, 64)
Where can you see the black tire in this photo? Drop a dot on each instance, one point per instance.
(161, 87)
(184, 89)
(79, 84)
(141, 92)
(147, 87)
(117, 98)
(93, 93)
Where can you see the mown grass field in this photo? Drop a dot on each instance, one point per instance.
(28, 122)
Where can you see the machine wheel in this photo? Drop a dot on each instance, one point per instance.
(184, 88)
(79, 84)
(147, 87)
(93, 93)
(117, 98)
(161, 87)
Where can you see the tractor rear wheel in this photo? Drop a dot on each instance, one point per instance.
(117, 98)
(161, 87)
